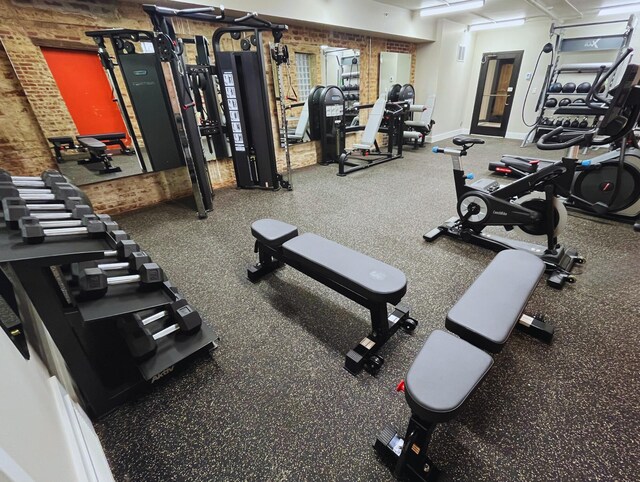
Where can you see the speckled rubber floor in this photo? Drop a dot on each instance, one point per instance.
(275, 402)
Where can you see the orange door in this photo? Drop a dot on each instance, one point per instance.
(86, 91)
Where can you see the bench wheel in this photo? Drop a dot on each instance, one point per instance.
(374, 364)
(580, 260)
(571, 279)
(409, 324)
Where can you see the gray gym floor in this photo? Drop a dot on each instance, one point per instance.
(82, 174)
(275, 402)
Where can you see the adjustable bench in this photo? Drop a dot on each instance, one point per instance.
(367, 281)
(449, 369)
(61, 143)
(370, 153)
(110, 139)
(98, 153)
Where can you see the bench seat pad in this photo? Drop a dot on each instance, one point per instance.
(368, 277)
(444, 374)
(272, 232)
(105, 137)
(489, 310)
(91, 143)
(415, 123)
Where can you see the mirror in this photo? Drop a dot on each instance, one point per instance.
(341, 67)
(297, 80)
(394, 69)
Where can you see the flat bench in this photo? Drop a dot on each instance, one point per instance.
(449, 369)
(97, 153)
(367, 281)
(110, 139)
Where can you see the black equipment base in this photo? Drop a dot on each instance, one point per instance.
(558, 262)
(370, 160)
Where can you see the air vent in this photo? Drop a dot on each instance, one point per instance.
(462, 50)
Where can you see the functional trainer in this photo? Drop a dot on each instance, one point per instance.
(449, 369)
(367, 281)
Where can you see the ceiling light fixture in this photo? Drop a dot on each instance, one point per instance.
(499, 24)
(451, 7)
(629, 7)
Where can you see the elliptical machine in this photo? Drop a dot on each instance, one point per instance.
(486, 203)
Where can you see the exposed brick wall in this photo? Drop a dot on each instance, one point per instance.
(26, 120)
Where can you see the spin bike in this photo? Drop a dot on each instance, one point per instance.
(487, 203)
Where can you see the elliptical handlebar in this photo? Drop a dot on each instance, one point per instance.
(593, 96)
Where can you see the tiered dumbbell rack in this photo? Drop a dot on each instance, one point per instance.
(85, 333)
(557, 71)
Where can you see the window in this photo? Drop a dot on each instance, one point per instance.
(303, 71)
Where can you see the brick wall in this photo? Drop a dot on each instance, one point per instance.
(32, 108)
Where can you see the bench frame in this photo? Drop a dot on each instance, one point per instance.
(383, 324)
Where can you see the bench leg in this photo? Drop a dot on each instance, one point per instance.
(265, 265)
(383, 326)
(409, 455)
(536, 326)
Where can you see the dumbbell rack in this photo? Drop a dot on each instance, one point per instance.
(85, 333)
(557, 71)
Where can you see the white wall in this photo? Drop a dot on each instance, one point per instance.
(438, 72)
(363, 16)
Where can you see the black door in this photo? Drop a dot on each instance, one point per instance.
(496, 89)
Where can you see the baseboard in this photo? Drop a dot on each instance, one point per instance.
(445, 135)
(515, 135)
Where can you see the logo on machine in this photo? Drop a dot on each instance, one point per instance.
(500, 213)
(140, 72)
(163, 373)
(592, 44)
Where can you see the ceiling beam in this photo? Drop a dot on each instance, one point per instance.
(547, 11)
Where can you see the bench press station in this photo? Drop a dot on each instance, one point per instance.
(367, 281)
(449, 369)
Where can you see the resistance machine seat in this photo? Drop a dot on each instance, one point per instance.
(448, 369)
(367, 281)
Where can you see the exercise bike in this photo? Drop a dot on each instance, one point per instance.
(487, 203)
(607, 185)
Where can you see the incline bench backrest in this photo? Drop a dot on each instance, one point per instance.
(373, 122)
(303, 121)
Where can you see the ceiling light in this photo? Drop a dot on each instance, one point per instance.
(630, 7)
(452, 7)
(499, 24)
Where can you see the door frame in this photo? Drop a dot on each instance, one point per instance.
(501, 131)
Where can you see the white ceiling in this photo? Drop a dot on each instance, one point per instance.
(509, 9)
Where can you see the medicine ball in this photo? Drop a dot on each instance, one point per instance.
(575, 123)
(565, 102)
(566, 123)
(579, 101)
(583, 88)
(584, 124)
(569, 88)
(235, 35)
(558, 122)
(551, 102)
(555, 87)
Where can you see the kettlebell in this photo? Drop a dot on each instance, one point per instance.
(569, 88)
(555, 87)
(551, 102)
(564, 102)
(583, 88)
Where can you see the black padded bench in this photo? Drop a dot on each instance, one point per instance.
(110, 139)
(367, 281)
(61, 143)
(97, 153)
(449, 369)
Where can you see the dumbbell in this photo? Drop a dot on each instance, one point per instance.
(33, 232)
(133, 263)
(59, 191)
(45, 180)
(94, 282)
(142, 343)
(124, 249)
(16, 208)
(53, 188)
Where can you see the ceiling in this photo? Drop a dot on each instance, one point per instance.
(509, 9)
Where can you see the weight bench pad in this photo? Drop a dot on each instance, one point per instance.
(91, 143)
(489, 310)
(272, 232)
(368, 277)
(444, 374)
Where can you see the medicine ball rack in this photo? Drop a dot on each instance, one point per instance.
(557, 72)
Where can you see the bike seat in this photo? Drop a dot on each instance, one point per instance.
(467, 141)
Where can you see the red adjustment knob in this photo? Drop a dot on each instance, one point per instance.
(534, 163)
(400, 387)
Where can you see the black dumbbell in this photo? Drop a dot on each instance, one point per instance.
(575, 123)
(33, 232)
(124, 248)
(94, 282)
(58, 192)
(558, 122)
(45, 180)
(16, 208)
(142, 343)
(566, 123)
(133, 263)
(584, 123)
